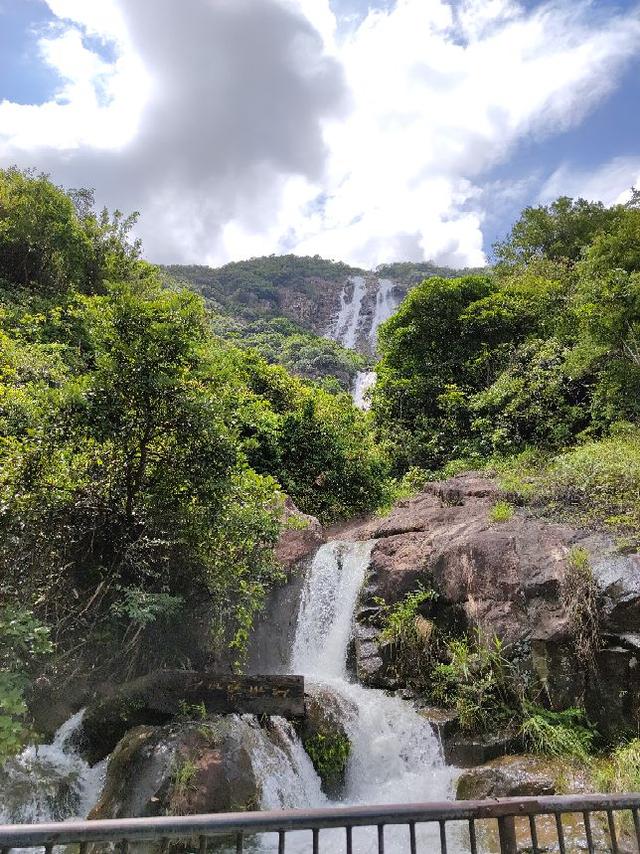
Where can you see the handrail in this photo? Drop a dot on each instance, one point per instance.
(281, 821)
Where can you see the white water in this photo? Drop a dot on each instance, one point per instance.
(50, 782)
(364, 381)
(395, 756)
(350, 325)
(386, 304)
(347, 323)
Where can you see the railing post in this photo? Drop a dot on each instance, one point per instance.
(507, 831)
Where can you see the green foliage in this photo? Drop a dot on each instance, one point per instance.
(303, 354)
(541, 357)
(253, 289)
(621, 771)
(478, 681)
(399, 620)
(558, 232)
(143, 459)
(329, 754)
(565, 734)
(24, 641)
(501, 511)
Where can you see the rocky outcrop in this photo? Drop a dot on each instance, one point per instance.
(275, 626)
(163, 695)
(300, 537)
(323, 732)
(181, 770)
(506, 579)
(520, 776)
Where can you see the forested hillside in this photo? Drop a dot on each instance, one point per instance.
(532, 369)
(287, 308)
(280, 305)
(143, 461)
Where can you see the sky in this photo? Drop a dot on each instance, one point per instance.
(366, 131)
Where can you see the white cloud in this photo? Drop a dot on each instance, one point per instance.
(442, 97)
(235, 142)
(610, 183)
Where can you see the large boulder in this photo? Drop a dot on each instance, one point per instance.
(182, 769)
(519, 776)
(506, 579)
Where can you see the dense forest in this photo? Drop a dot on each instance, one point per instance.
(143, 460)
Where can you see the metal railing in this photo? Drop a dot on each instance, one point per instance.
(609, 821)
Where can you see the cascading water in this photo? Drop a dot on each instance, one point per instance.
(354, 316)
(386, 304)
(395, 756)
(363, 383)
(50, 782)
(347, 323)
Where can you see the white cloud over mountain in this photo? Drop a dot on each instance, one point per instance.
(242, 127)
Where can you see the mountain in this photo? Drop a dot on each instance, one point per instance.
(326, 298)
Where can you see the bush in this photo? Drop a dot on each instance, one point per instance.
(480, 683)
(565, 734)
(501, 511)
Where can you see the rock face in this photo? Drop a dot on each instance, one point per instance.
(301, 536)
(181, 770)
(506, 579)
(274, 628)
(519, 776)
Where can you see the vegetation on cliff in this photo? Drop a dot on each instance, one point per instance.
(538, 359)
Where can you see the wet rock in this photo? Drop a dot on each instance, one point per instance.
(519, 776)
(444, 721)
(181, 770)
(373, 658)
(467, 751)
(323, 733)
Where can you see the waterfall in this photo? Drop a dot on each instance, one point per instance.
(395, 756)
(347, 323)
(356, 325)
(50, 782)
(386, 304)
(364, 381)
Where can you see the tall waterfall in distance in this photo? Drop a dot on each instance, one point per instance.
(365, 304)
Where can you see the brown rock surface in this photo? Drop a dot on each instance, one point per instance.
(505, 579)
(301, 535)
(519, 776)
(182, 769)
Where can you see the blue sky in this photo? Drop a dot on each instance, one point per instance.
(402, 129)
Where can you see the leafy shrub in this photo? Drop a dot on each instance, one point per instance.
(562, 734)
(479, 682)
(24, 641)
(329, 754)
(621, 771)
(501, 511)
(399, 619)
